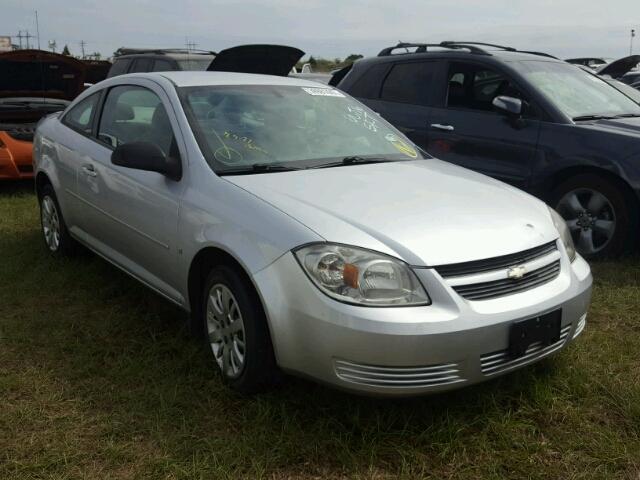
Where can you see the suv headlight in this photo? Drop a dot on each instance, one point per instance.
(358, 276)
(565, 234)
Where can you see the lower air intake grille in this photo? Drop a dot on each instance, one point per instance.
(399, 377)
(499, 361)
(499, 288)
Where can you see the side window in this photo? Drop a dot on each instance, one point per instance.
(162, 66)
(119, 67)
(474, 87)
(370, 81)
(80, 117)
(409, 83)
(135, 114)
(141, 65)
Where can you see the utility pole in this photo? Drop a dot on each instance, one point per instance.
(52, 45)
(190, 45)
(38, 30)
(82, 44)
(19, 38)
(633, 34)
(28, 36)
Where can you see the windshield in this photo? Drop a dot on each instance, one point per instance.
(294, 126)
(200, 63)
(576, 92)
(628, 90)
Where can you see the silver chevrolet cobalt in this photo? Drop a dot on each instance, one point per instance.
(305, 234)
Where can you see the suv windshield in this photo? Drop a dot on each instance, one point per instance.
(576, 92)
(289, 126)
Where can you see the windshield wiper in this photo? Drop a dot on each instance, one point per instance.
(592, 117)
(258, 168)
(354, 160)
(628, 115)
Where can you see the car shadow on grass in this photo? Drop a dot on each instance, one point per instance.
(16, 187)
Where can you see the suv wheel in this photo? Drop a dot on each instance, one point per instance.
(236, 331)
(54, 231)
(601, 220)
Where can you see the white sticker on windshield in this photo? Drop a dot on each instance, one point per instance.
(323, 92)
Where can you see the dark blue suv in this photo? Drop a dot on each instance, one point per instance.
(529, 119)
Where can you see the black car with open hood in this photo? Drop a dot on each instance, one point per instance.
(33, 84)
(266, 59)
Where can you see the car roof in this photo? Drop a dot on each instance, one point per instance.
(174, 56)
(198, 79)
(489, 55)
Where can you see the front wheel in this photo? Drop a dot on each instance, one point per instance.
(236, 331)
(601, 220)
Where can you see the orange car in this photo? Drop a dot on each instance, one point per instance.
(33, 84)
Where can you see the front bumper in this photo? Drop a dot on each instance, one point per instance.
(410, 350)
(15, 158)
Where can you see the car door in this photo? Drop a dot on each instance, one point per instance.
(404, 97)
(135, 213)
(72, 152)
(466, 129)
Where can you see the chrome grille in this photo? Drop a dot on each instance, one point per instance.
(499, 361)
(508, 286)
(428, 376)
(496, 263)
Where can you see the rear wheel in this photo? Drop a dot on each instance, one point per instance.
(601, 219)
(54, 230)
(236, 331)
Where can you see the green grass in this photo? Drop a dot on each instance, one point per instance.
(100, 379)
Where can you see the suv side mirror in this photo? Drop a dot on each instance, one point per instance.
(509, 105)
(146, 156)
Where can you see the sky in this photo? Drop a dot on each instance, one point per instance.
(329, 28)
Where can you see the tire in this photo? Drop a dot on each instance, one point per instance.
(602, 219)
(238, 339)
(54, 231)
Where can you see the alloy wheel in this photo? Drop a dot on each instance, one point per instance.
(590, 217)
(225, 329)
(50, 223)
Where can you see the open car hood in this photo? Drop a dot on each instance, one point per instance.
(36, 73)
(620, 67)
(266, 59)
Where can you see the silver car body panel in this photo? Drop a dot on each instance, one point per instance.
(425, 212)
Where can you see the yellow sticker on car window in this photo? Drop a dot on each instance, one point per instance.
(401, 145)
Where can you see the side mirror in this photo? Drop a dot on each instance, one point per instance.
(509, 105)
(146, 156)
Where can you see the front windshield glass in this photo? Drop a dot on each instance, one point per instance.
(576, 92)
(195, 63)
(293, 126)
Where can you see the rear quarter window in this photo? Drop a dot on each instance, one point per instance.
(370, 82)
(409, 83)
(119, 67)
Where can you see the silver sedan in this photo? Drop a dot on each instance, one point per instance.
(305, 234)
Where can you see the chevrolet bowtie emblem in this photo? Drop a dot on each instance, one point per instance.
(516, 273)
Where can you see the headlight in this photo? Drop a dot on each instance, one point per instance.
(565, 234)
(362, 277)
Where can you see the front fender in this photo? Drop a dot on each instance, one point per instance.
(224, 216)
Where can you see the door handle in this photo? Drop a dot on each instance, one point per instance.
(89, 170)
(439, 126)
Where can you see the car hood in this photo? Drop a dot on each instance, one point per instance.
(31, 73)
(620, 67)
(265, 59)
(627, 126)
(426, 212)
